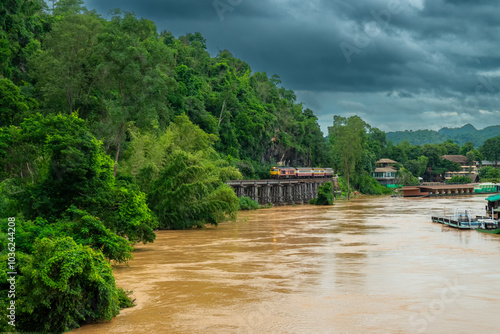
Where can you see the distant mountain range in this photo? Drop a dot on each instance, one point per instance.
(459, 135)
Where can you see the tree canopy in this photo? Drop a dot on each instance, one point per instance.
(491, 149)
(347, 136)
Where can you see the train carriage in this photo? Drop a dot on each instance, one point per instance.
(318, 172)
(300, 172)
(303, 172)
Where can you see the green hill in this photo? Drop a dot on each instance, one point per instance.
(466, 133)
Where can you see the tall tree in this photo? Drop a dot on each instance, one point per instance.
(467, 147)
(22, 22)
(135, 84)
(63, 68)
(183, 175)
(76, 171)
(63, 7)
(491, 149)
(346, 137)
(451, 147)
(13, 105)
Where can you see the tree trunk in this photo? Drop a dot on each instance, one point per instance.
(348, 186)
(69, 99)
(120, 137)
(120, 134)
(222, 111)
(346, 165)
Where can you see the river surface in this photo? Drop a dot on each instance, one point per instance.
(371, 265)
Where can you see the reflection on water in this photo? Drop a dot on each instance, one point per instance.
(370, 265)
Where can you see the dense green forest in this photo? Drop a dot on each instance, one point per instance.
(462, 135)
(110, 130)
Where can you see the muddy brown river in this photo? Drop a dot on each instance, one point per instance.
(371, 265)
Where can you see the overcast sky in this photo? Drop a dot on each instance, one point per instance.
(398, 64)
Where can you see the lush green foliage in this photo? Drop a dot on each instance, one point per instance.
(124, 298)
(368, 185)
(347, 136)
(81, 226)
(13, 105)
(183, 175)
(186, 195)
(77, 218)
(66, 283)
(417, 167)
(343, 186)
(406, 178)
(68, 166)
(491, 149)
(489, 174)
(246, 203)
(109, 130)
(459, 179)
(325, 195)
(424, 161)
(22, 23)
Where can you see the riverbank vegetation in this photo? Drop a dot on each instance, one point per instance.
(356, 147)
(325, 195)
(246, 203)
(110, 130)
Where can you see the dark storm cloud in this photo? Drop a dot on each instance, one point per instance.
(421, 63)
(191, 10)
(186, 9)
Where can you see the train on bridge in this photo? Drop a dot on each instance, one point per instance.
(300, 172)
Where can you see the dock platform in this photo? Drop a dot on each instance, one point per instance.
(438, 190)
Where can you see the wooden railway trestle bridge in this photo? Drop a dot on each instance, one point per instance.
(281, 191)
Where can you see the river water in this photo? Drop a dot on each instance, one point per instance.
(374, 264)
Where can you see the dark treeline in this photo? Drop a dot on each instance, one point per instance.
(461, 136)
(356, 147)
(110, 130)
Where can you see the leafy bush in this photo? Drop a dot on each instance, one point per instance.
(325, 195)
(9, 207)
(489, 172)
(343, 186)
(82, 227)
(124, 298)
(406, 178)
(493, 180)
(367, 185)
(88, 230)
(186, 195)
(63, 286)
(246, 203)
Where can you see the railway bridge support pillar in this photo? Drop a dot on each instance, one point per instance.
(280, 192)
